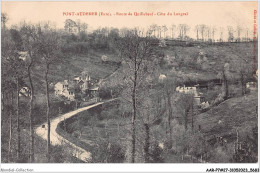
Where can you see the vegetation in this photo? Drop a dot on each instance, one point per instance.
(150, 121)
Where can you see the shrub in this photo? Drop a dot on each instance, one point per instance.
(156, 154)
(57, 154)
(108, 152)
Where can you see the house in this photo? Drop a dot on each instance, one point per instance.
(84, 84)
(162, 77)
(60, 87)
(66, 89)
(104, 58)
(251, 85)
(198, 98)
(23, 55)
(186, 90)
(25, 91)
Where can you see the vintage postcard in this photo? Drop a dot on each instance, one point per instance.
(148, 82)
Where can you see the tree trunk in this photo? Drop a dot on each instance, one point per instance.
(10, 123)
(169, 116)
(242, 84)
(192, 114)
(186, 119)
(225, 85)
(47, 113)
(147, 142)
(10, 135)
(134, 115)
(3, 101)
(31, 116)
(18, 121)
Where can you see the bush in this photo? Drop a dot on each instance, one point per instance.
(75, 47)
(57, 154)
(156, 154)
(108, 152)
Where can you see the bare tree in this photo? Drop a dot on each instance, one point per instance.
(84, 27)
(202, 29)
(17, 73)
(213, 31)
(4, 19)
(165, 29)
(10, 127)
(221, 30)
(168, 93)
(137, 53)
(154, 28)
(239, 29)
(197, 31)
(183, 29)
(230, 33)
(186, 102)
(29, 33)
(49, 49)
(69, 24)
(159, 29)
(173, 30)
(208, 32)
(246, 34)
(10, 68)
(224, 75)
(244, 70)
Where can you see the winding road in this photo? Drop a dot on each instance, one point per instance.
(57, 139)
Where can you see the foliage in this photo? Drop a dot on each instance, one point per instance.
(156, 154)
(108, 152)
(249, 149)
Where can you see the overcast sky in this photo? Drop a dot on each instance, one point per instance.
(218, 14)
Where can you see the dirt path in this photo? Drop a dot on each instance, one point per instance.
(56, 139)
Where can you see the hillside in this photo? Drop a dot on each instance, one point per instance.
(72, 65)
(213, 57)
(231, 115)
(181, 62)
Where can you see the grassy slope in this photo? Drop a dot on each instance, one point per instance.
(219, 54)
(72, 65)
(235, 113)
(216, 54)
(75, 64)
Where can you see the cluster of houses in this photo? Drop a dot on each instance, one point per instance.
(83, 85)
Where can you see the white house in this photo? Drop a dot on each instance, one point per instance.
(251, 85)
(25, 91)
(66, 89)
(23, 55)
(191, 90)
(162, 77)
(104, 58)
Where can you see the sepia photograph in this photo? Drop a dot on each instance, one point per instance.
(129, 82)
